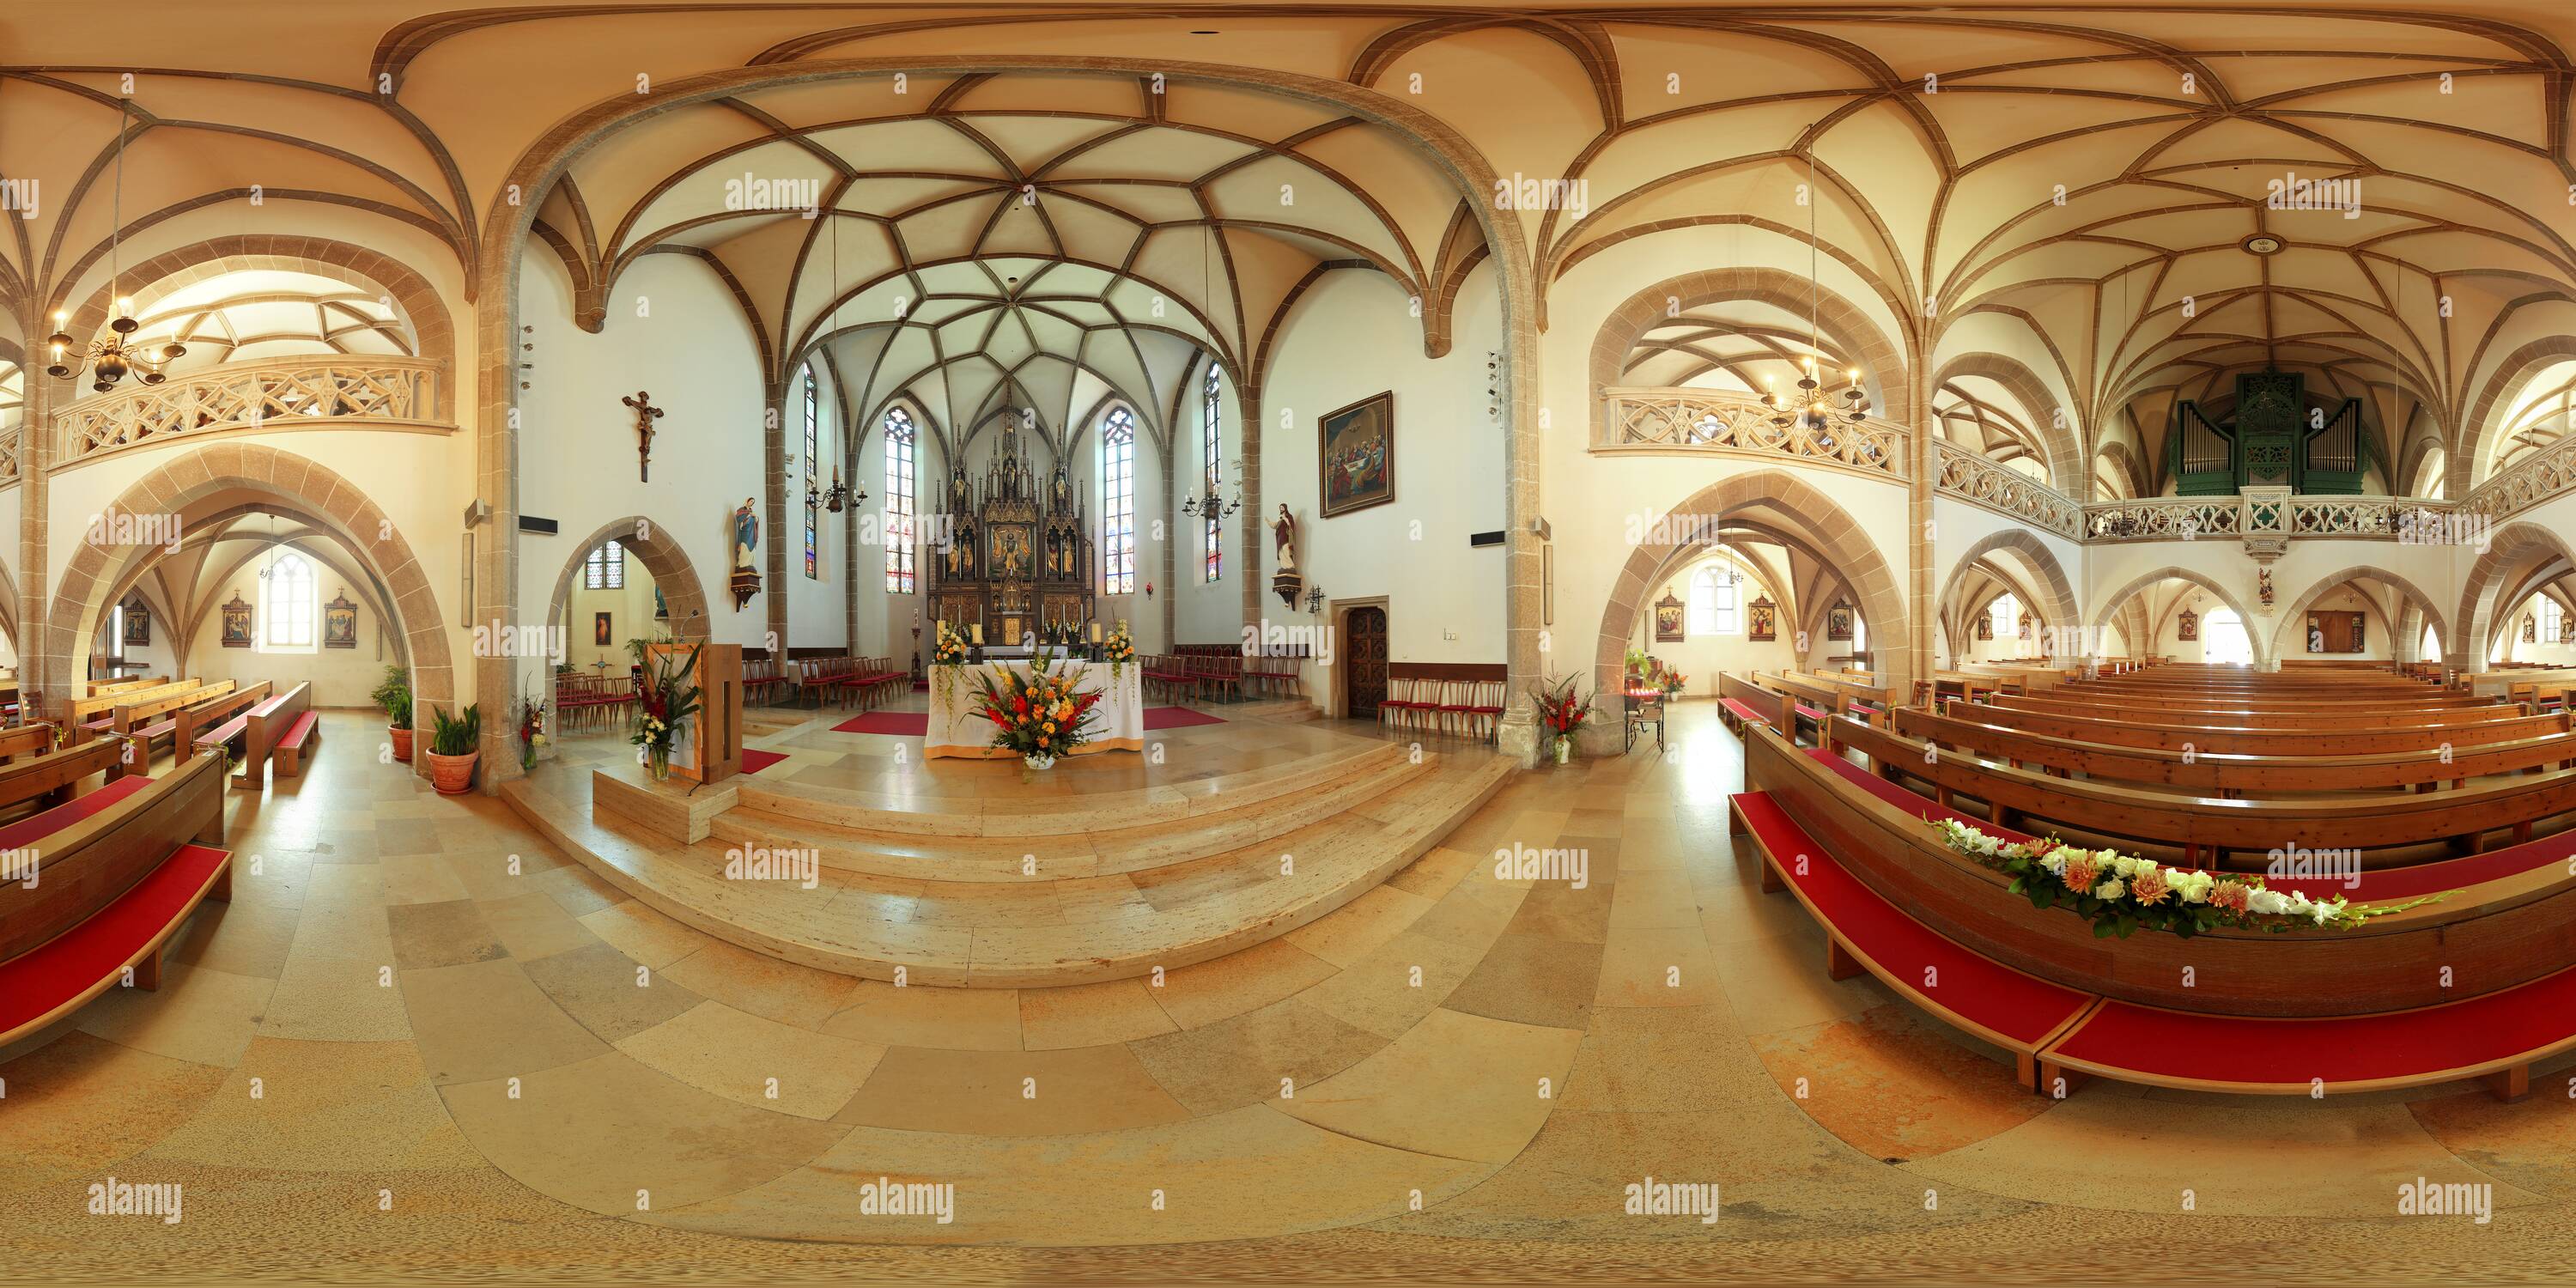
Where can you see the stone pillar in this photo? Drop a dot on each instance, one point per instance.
(1171, 519)
(1251, 532)
(1526, 641)
(773, 523)
(39, 689)
(493, 684)
(856, 560)
(1922, 544)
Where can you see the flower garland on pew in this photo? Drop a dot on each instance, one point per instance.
(947, 659)
(2119, 893)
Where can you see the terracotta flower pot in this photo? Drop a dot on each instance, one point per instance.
(452, 775)
(401, 735)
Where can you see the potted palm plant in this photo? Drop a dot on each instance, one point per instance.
(454, 745)
(394, 695)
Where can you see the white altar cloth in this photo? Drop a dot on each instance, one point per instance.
(957, 728)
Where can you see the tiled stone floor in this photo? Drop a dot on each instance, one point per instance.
(419, 1040)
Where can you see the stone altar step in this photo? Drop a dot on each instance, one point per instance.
(1234, 811)
(1006, 815)
(1069, 930)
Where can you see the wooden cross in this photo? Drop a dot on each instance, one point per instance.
(645, 414)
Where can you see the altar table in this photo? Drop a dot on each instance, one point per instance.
(1117, 720)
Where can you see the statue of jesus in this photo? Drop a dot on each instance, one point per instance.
(1284, 530)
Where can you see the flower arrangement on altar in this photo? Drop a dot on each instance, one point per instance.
(1561, 712)
(2119, 893)
(947, 655)
(1036, 714)
(663, 698)
(1119, 650)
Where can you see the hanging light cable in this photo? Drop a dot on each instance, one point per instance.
(115, 357)
(1811, 411)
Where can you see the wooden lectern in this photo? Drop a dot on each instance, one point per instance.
(710, 749)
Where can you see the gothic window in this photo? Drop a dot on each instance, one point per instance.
(1118, 482)
(900, 440)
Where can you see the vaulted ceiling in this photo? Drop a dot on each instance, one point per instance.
(2077, 188)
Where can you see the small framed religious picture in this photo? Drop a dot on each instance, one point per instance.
(1668, 619)
(600, 631)
(1762, 620)
(340, 622)
(1985, 626)
(138, 621)
(2187, 626)
(2530, 629)
(1355, 454)
(236, 622)
(1838, 622)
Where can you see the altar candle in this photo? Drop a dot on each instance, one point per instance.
(1095, 630)
(978, 628)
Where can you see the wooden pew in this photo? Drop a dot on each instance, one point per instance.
(1864, 932)
(2235, 774)
(34, 738)
(97, 715)
(2359, 717)
(116, 873)
(104, 688)
(1894, 901)
(265, 731)
(1740, 701)
(2261, 741)
(152, 719)
(2202, 825)
(198, 718)
(53, 779)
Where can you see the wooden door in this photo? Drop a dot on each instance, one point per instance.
(1363, 662)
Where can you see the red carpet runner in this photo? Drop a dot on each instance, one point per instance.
(913, 724)
(754, 761)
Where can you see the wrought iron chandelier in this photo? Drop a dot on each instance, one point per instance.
(837, 497)
(115, 356)
(1211, 506)
(1811, 408)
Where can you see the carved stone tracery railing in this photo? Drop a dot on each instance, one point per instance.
(2164, 518)
(1719, 421)
(2546, 475)
(290, 392)
(1973, 477)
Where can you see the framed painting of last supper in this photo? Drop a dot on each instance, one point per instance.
(1356, 454)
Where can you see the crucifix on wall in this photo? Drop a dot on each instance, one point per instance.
(645, 414)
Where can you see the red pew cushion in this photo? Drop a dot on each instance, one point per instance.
(36, 982)
(44, 823)
(2497, 1027)
(1987, 994)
